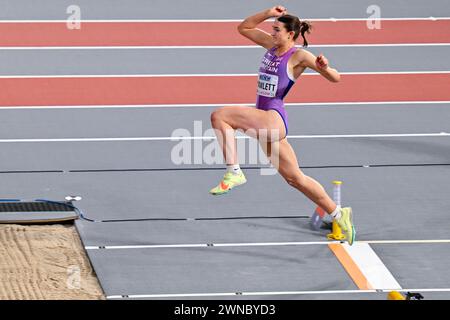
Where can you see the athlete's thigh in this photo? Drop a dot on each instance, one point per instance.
(248, 119)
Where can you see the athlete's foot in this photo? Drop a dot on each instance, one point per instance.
(229, 181)
(346, 224)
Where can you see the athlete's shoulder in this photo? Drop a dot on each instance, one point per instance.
(301, 55)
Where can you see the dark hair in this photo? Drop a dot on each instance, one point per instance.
(293, 23)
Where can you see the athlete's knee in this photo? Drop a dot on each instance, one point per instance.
(296, 180)
(216, 117)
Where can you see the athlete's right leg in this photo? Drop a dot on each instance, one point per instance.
(250, 120)
(253, 122)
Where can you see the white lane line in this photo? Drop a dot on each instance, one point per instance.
(406, 135)
(168, 246)
(360, 103)
(165, 246)
(332, 19)
(431, 44)
(406, 241)
(185, 75)
(208, 138)
(216, 105)
(269, 293)
(262, 244)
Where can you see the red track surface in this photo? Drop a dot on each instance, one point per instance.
(217, 90)
(212, 34)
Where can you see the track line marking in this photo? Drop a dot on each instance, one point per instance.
(167, 246)
(262, 244)
(364, 266)
(186, 75)
(440, 134)
(406, 241)
(350, 266)
(215, 105)
(268, 293)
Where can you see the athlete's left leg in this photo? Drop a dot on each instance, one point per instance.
(283, 158)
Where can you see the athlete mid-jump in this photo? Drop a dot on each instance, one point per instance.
(282, 64)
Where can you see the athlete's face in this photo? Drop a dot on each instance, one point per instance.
(279, 33)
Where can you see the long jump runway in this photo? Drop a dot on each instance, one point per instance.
(99, 112)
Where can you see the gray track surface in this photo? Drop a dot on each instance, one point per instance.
(426, 269)
(376, 194)
(169, 61)
(216, 9)
(303, 120)
(228, 270)
(126, 185)
(144, 155)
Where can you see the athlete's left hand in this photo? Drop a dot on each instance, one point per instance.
(321, 62)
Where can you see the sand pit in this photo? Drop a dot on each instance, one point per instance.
(45, 262)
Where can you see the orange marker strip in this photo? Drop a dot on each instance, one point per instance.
(350, 266)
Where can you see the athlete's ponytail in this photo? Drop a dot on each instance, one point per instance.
(293, 23)
(305, 27)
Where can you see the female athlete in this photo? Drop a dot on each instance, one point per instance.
(281, 65)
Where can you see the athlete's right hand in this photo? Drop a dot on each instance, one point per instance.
(277, 11)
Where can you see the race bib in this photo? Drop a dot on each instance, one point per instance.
(267, 85)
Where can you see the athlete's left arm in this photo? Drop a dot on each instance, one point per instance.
(306, 59)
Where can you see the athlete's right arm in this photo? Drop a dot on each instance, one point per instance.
(248, 27)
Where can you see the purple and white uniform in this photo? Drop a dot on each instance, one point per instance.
(274, 82)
